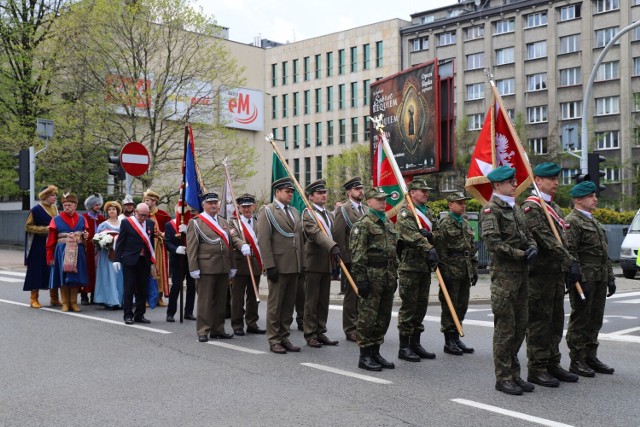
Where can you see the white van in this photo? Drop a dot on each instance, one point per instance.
(630, 247)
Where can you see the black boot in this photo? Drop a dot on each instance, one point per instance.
(460, 344)
(418, 349)
(379, 359)
(366, 360)
(450, 345)
(405, 352)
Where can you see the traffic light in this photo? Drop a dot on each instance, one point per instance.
(117, 171)
(23, 168)
(579, 177)
(593, 166)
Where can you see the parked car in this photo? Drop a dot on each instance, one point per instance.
(629, 248)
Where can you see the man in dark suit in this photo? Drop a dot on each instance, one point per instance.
(135, 254)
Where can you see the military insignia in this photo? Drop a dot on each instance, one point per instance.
(355, 230)
(404, 214)
(488, 210)
(567, 225)
(527, 209)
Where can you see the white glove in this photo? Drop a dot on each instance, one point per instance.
(232, 273)
(245, 249)
(195, 274)
(182, 228)
(181, 250)
(117, 266)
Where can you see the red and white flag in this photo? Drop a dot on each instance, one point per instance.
(497, 145)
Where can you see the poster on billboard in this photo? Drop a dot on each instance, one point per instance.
(242, 108)
(409, 103)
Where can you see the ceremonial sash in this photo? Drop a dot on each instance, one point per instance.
(216, 228)
(552, 211)
(426, 223)
(138, 228)
(252, 239)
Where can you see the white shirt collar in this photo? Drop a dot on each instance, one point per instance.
(586, 213)
(318, 208)
(546, 197)
(511, 201)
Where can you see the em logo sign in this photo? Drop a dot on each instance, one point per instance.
(243, 109)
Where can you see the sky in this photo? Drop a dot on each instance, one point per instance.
(295, 20)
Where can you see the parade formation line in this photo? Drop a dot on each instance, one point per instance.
(509, 413)
(347, 373)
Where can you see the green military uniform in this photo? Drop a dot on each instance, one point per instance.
(587, 242)
(415, 275)
(546, 285)
(506, 237)
(457, 250)
(374, 263)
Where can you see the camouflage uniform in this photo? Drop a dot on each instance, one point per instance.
(587, 242)
(506, 237)
(457, 250)
(373, 256)
(546, 288)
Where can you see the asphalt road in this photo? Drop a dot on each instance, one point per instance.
(91, 369)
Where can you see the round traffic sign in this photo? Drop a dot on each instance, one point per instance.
(134, 158)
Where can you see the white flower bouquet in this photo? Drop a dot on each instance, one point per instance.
(103, 240)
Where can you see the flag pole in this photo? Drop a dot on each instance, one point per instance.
(183, 237)
(241, 226)
(403, 186)
(527, 165)
(343, 267)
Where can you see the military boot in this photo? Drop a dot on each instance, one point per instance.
(450, 345)
(461, 345)
(405, 352)
(418, 349)
(379, 359)
(33, 300)
(599, 367)
(366, 360)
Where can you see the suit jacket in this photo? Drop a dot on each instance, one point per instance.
(172, 240)
(130, 243)
(342, 229)
(317, 243)
(283, 251)
(212, 256)
(238, 241)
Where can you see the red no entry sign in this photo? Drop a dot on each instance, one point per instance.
(134, 158)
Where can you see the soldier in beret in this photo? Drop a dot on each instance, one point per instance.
(587, 242)
(373, 244)
(419, 258)
(457, 250)
(347, 214)
(512, 248)
(320, 252)
(280, 241)
(547, 281)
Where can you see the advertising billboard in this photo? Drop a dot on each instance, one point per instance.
(242, 109)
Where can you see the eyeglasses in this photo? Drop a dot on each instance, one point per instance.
(513, 182)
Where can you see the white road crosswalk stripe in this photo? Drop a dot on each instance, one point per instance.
(347, 373)
(509, 413)
(235, 347)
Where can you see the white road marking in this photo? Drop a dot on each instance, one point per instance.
(13, 273)
(514, 414)
(624, 295)
(628, 301)
(84, 316)
(475, 310)
(347, 373)
(10, 279)
(235, 347)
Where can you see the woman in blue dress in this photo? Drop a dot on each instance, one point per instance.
(109, 286)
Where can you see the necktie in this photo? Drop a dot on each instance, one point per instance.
(326, 218)
(249, 221)
(360, 210)
(289, 215)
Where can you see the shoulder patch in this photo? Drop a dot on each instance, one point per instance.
(567, 225)
(527, 209)
(487, 210)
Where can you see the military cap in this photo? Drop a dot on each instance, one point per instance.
(501, 173)
(114, 204)
(281, 183)
(48, 191)
(457, 197)
(375, 193)
(69, 197)
(356, 181)
(92, 200)
(210, 197)
(419, 184)
(128, 200)
(246, 200)
(583, 189)
(319, 185)
(547, 169)
(150, 194)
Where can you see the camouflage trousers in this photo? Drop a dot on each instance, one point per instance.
(585, 321)
(509, 306)
(546, 320)
(458, 289)
(374, 312)
(414, 293)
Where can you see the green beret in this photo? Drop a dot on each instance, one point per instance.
(500, 174)
(583, 189)
(419, 184)
(547, 169)
(375, 193)
(457, 197)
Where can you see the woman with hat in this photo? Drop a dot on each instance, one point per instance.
(109, 285)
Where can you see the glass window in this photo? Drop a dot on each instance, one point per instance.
(330, 132)
(506, 86)
(505, 26)
(475, 91)
(307, 101)
(568, 174)
(536, 19)
(636, 66)
(571, 110)
(505, 56)
(318, 134)
(536, 82)
(318, 167)
(608, 71)
(307, 171)
(611, 175)
(475, 32)
(607, 5)
(294, 65)
(537, 50)
(605, 35)
(296, 169)
(636, 101)
(318, 100)
(342, 123)
(274, 75)
(354, 59)
(329, 64)
(475, 61)
(285, 136)
(537, 114)
(365, 92)
(329, 98)
(539, 146)
(274, 132)
(354, 94)
(354, 129)
(567, 13)
(296, 136)
(307, 135)
(569, 44)
(341, 61)
(296, 103)
(475, 121)
(318, 61)
(379, 54)
(307, 68)
(366, 56)
(607, 105)
(447, 38)
(570, 76)
(274, 107)
(285, 105)
(608, 140)
(341, 96)
(365, 126)
(284, 73)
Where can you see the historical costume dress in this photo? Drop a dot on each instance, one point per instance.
(93, 220)
(109, 284)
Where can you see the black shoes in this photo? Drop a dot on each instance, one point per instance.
(239, 332)
(189, 317)
(84, 299)
(405, 352)
(203, 338)
(128, 321)
(563, 375)
(543, 378)
(170, 319)
(462, 346)
(366, 360)
(598, 366)
(256, 330)
(525, 386)
(581, 368)
(450, 346)
(324, 340)
(509, 387)
(141, 319)
(375, 354)
(416, 347)
(223, 336)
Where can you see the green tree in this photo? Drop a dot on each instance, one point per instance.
(352, 162)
